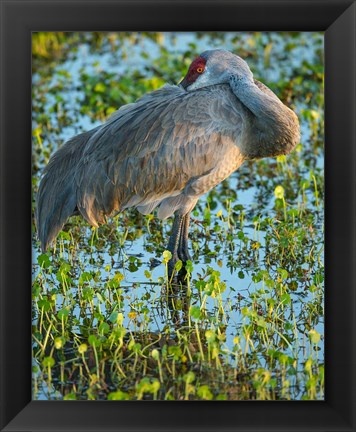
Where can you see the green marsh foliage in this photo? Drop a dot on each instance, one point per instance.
(245, 321)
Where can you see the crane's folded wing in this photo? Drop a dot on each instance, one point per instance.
(149, 150)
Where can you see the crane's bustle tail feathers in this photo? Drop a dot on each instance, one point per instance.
(56, 198)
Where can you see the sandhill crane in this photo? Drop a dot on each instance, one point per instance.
(167, 149)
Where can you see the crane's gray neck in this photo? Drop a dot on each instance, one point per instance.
(274, 129)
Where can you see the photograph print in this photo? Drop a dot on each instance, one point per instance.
(178, 216)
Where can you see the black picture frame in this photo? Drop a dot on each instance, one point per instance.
(18, 19)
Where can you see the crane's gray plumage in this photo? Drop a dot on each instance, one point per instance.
(167, 149)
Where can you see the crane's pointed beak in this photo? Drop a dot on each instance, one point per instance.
(184, 83)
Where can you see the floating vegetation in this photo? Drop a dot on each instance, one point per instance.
(245, 318)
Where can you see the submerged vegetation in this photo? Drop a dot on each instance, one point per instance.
(245, 318)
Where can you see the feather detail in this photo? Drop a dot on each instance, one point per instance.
(147, 155)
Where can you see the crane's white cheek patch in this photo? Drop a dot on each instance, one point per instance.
(203, 80)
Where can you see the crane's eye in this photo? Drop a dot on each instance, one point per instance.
(199, 69)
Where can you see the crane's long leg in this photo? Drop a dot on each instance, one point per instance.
(174, 241)
(183, 250)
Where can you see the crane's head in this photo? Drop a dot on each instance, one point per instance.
(215, 67)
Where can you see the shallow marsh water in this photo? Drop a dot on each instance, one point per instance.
(246, 321)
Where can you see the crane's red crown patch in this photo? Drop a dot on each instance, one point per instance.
(196, 68)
